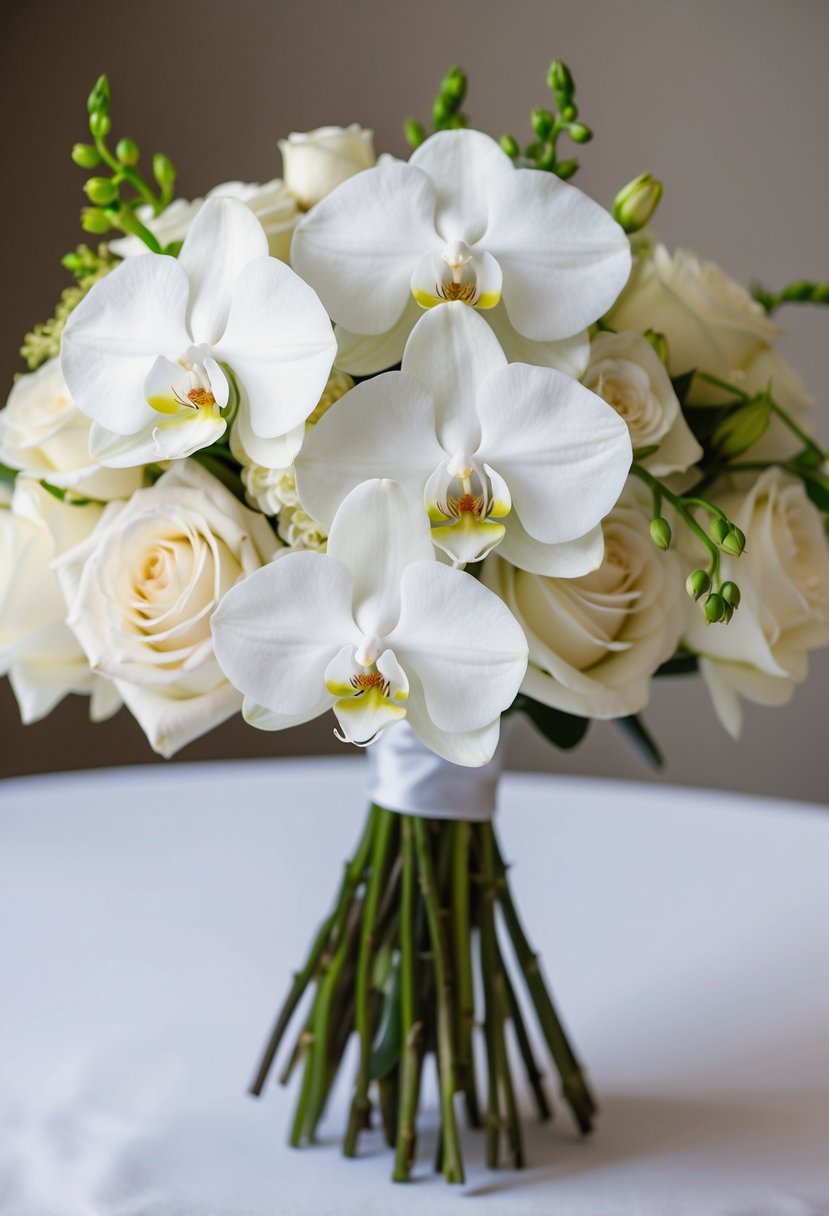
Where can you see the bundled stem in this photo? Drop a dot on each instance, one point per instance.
(394, 963)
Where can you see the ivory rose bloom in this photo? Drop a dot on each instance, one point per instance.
(271, 202)
(38, 653)
(44, 434)
(628, 374)
(710, 321)
(142, 588)
(596, 641)
(315, 162)
(783, 576)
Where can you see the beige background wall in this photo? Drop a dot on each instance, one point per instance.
(726, 100)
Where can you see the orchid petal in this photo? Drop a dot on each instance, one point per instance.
(467, 539)
(266, 719)
(568, 355)
(168, 439)
(563, 452)
(280, 344)
(394, 675)
(568, 559)
(469, 748)
(365, 717)
(564, 260)
(453, 352)
(461, 642)
(224, 237)
(365, 284)
(489, 281)
(276, 631)
(379, 529)
(341, 671)
(384, 427)
(116, 332)
(367, 354)
(463, 166)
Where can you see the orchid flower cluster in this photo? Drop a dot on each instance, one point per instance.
(427, 440)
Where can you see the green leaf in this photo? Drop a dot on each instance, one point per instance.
(682, 384)
(817, 485)
(7, 475)
(561, 729)
(640, 737)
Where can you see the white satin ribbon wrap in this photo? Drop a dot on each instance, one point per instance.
(406, 776)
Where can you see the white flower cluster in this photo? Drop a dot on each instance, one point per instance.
(210, 514)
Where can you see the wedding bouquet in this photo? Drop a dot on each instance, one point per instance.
(424, 443)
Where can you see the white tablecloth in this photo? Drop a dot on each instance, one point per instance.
(149, 920)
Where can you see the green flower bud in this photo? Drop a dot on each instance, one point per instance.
(415, 132)
(661, 532)
(659, 343)
(164, 171)
(127, 151)
(86, 156)
(697, 583)
(457, 122)
(546, 157)
(728, 612)
(742, 427)
(579, 133)
(714, 608)
(510, 146)
(98, 100)
(441, 112)
(541, 122)
(101, 190)
(569, 114)
(719, 528)
(453, 85)
(731, 594)
(560, 80)
(99, 125)
(95, 220)
(566, 168)
(636, 202)
(734, 542)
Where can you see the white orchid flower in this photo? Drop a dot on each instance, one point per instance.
(501, 453)
(541, 260)
(377, 630)
(145, 353)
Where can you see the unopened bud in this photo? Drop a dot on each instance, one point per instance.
(510, 146)
(560, 79)
(636, 202)
(453, 85)
(742, 427)
(164, 171)
(95, 220)
(541, 122)
(415, 133)
(127, 151)
(100, 190)
(546, 157)
(569, 114)
(731, 594)
(734, 542)
(659, 343)
(714, 608)
(697, 583)
(661, 532)
(99, 124)
(98, 100)
(719, 528)
(441, 111)
(566, 168)
(580, 133)
(86, 156)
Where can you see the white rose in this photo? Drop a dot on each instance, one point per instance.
(141, 591)
(316, 162)
(45, 435)
(596, 641)
(271, 202)
(783, 576)
(627, 373)
(710, 321)
(38, 653)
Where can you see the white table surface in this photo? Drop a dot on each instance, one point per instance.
(149, 920)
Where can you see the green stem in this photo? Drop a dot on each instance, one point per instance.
(487, 926)
(574, 1084)
(411, 1031)
(452, 1161)
(360, 1105)
(334, 924)
(679, 506)
(534, 1074)
(462, 943)
(725, 385)
(787, 420)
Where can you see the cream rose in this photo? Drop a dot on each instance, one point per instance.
(45, 435)
(710, 321)
(271, 202)
(316, 162)
(596, 641)
(38, 653)
(627, 373)
(783, 577)
(142, 588)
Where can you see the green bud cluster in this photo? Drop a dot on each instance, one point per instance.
(728, 536)
(549, 124)
(636, 202)
(802, 291)
(447, 114)
(110, 208)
